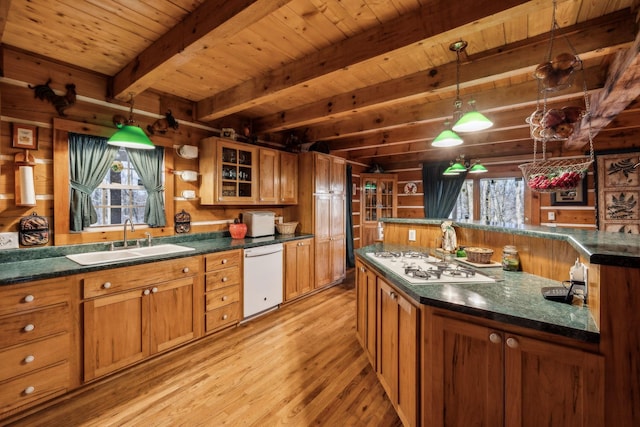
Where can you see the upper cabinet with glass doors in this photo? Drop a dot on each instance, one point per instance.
(378, 200)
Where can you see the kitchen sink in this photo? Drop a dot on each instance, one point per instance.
(121, 255)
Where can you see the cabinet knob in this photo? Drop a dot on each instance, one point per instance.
(512, 342)
(224, 279)
(495, 338)
(224, 317)
(154, 290)
(224, 261)
(28, 328)
(106, 285)
(224, 298)
(29, 390)
(185, 270)
(29, 298)
(393, 295)
(146, 292)
(29, 359)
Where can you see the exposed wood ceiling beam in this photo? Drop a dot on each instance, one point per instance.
(600, 34)
(210, 24)
(621, 88)
(432, 19)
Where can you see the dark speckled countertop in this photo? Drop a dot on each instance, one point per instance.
(24, 265)
(599, 247)
(514, 299)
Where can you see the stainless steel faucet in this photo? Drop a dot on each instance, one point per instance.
(125, 231)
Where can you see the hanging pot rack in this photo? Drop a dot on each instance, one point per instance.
(542, 175)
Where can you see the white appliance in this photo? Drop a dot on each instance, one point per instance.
(259, 223)
(262, 279)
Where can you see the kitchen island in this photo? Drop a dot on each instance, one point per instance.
(500, 351)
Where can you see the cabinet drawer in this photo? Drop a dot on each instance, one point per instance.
(222, 260)
(222, 297)
(29, 326)
(18, 298)
(222, 278)
(126, 278)
(34, 355)
(223, 316)
(38, 385)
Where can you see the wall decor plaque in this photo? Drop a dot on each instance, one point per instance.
(618, 191)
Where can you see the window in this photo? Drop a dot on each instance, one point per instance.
(500, 201)
(121, 194)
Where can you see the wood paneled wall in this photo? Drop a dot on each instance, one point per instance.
(18, 105)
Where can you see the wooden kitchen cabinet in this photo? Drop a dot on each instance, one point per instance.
(298, 268)
(398, 350)
(131, 313)
(484, 376)
(235, 173)
(366, 309)
(321, 212)
(223, 289)
(378, 199)
(38, 342)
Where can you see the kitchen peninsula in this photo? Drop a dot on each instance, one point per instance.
(449, 354)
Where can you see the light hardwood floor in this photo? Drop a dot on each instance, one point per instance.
(298, 366)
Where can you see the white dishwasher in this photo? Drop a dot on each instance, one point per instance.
(262, 278)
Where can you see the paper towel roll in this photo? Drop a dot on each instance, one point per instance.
(27, 189)
(188, 151)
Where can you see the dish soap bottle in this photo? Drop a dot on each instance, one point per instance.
(510, 258)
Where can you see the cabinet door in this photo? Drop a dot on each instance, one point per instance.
(115, 332)
(547, 382)
(288, 178)
(388, 339)
(322, 169)
(171, 316)
(338, 175)
(323, 268)
(269, 171)
(237, 173)
(338, 258)
(298, 277)
(366, 305)
(467, 374)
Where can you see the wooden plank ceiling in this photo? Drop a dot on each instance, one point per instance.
(375, 79)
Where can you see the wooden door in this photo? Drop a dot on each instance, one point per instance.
(288, 178)
(298, 268)
(366, 306)
(552, 383)
(269, 172)
(171, 316)
(115, 332)
(387, 354)
(338, 258)
(467, 374)
(408, 359)
(338, 175)
(322, 169)
(323, 262)
(237, 173)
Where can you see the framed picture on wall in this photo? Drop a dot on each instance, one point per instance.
(25, 136)
(577, 196)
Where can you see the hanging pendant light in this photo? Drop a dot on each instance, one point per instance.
(447, 138)
(461, 166)
(478, 168)
(473, 120)
(130, 135)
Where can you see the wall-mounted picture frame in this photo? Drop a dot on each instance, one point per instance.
(574, 197)
(25, 136)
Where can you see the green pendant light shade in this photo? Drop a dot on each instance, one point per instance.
(129, 135)
(472, 121)
(447, 138)
(462, 166)
(478, 168)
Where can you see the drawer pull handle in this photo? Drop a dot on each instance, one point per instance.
(185, 270)
(106, 285)
(29, 298)
(224, 298)
(29, 359)
(224, 279)
(512, 342)
(29, 389)
(224, 261)
(28, 328)
(154, 290)
(495, 338)
(146, 292)
(224, 317)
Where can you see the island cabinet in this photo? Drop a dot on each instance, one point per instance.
(38, 342)
(366, 309)
(223, 289)
(235, 173)
(298, 268)
(321, 212)
(480, 375)
(398, 350)
(131, 313)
